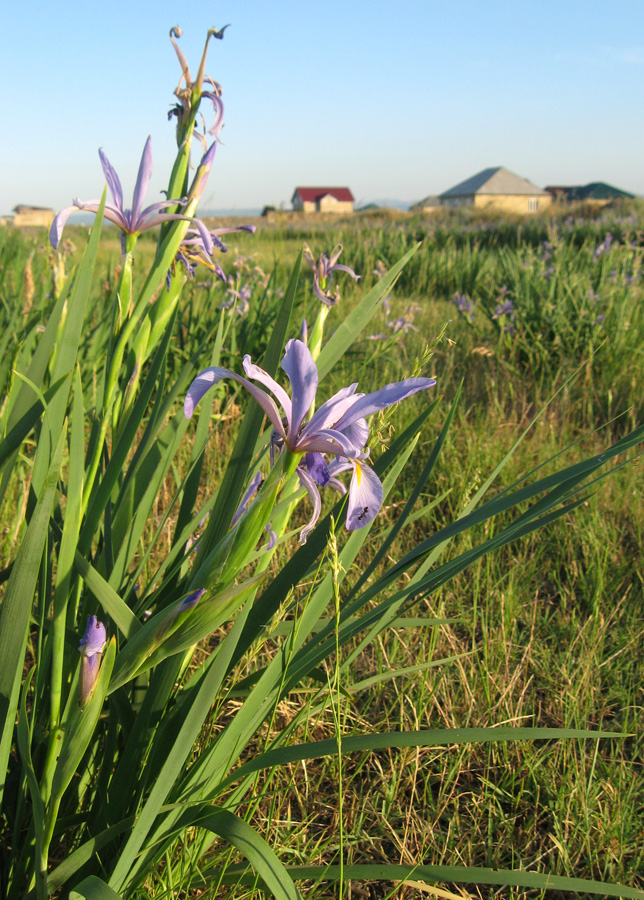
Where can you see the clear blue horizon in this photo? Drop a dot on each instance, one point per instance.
(393, 101)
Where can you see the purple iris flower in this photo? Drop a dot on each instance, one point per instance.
(243, 294)
(505, 312)
(464, 306)
(503, 309)
(337, 428)
(323, 269)
(91, 646)
(130, 221)
(401, 324)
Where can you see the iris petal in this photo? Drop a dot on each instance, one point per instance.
(56, 230)
(258, 374)
(341, 268)
(314, 496)
(357, 433)
(141, 187)
(334, 408)
(365, 497)
(94, 638)
(209, 377)
(302, 372)
(335, 253)
(113, 181)
(386, 396)
(317, 468)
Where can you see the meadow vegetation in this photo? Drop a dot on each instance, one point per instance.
(531, 328)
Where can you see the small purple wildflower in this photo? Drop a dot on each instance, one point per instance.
(503, 309)
(505, 312)
(464, 305)
(604, 247)
(401, 325)
(237, 299)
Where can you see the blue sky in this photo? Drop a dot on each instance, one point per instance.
(395, 100)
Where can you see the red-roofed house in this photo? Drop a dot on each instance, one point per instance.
(322, 199)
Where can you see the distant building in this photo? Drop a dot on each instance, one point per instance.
(427, 204)
(497, 188)
(323, 200)
(597, 193)
(32, 216)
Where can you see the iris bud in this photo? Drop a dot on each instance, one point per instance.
(91, 647)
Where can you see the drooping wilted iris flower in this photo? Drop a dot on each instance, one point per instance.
(193, 250)
(323, 269)
(338, 428)
(137, 219)
(91, 647)
(189, 93)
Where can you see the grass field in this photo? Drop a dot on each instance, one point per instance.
(542, 322)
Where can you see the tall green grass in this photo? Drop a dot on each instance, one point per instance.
(338, 723)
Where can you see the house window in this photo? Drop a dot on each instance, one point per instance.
(533, 205)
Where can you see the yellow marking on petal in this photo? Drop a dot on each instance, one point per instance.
(358, 473)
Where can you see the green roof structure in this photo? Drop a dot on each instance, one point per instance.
(596, 190)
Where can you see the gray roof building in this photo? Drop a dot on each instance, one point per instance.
(498, 181)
